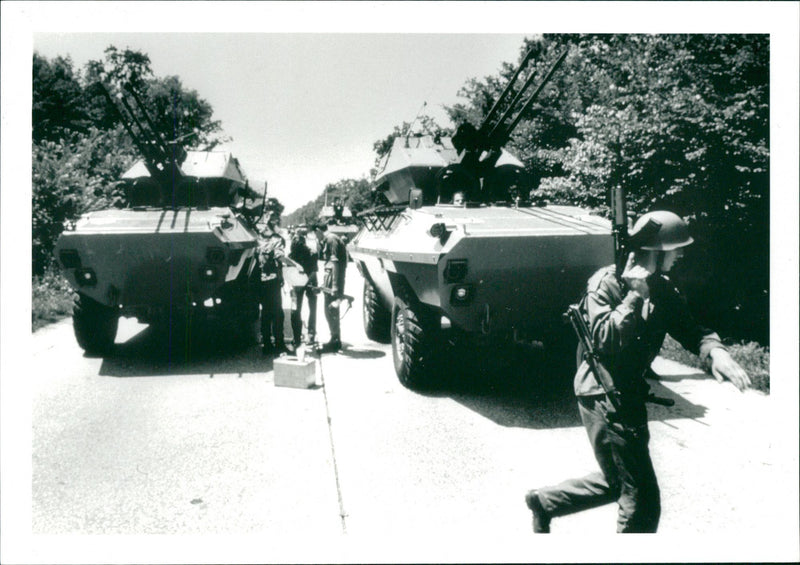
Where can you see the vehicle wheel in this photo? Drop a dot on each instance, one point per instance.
(95, 325)
(376, 317)
(413, 344)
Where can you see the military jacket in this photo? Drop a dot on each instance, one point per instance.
(334, 254)
(301, 253)
(271, 250)
(628, 331)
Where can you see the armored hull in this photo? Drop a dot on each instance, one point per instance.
(142, 261)
(180, 252)
(498, 270)
(488, 274)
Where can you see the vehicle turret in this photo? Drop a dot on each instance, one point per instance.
(482, 275)
(472, 161)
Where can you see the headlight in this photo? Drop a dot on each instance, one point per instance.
(86, 277)
(437, 230)
(208, 273)
(461, 295)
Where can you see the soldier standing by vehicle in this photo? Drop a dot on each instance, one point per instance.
(628, 318)
(334, 253)
(270, 252)
(301, 253)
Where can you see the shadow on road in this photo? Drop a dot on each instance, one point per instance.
(207, 352)
(357, 352)
(529, 389)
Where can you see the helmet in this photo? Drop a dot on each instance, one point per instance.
(660, 231)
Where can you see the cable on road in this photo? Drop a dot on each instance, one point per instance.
(342, 513)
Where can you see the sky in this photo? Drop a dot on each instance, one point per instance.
(304, 109)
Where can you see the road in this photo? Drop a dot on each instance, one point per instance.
(206, 448)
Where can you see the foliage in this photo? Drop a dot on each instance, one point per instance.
(80, 149)
(51, 299)
(178, 114)
(681, 122)
(356, 194)
(751, 356)
(58, 107)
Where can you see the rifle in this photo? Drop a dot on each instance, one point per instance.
(591, 356)
(327, 290)
(624, 243)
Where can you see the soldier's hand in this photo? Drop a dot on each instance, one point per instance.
(723, 367)
(635, 276)
(335, 303)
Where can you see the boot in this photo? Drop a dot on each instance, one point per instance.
(332, 346)
(541, 519)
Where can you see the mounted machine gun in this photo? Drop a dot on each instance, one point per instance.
(183, 249)
(480, 149)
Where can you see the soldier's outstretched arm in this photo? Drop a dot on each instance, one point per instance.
(723, 367)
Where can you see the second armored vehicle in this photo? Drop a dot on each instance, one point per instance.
(494, 270)
(340, 219)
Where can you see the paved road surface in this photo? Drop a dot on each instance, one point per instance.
(359, 468)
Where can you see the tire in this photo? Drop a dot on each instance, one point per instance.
(95, 325)
(413, 344)
(376, 318)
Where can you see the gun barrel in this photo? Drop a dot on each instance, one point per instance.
(507, 132)
(496, 106)
(620, 227)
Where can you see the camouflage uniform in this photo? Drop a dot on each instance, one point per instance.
(302, 254)
(334, 254)
(270, 251)
(628, 333)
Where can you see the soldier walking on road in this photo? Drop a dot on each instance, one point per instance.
(334, 253)
(270, 253)
(301, 253)
(628, 318)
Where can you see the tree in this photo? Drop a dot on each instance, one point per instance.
(177, 113)
(58, 107)
(682, 123)
(80, 150)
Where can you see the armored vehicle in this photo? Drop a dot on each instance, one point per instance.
(340, 219)
(480, 275)
(183, 249)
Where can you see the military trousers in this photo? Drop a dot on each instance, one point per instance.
(272, 317)
(332, 316)
(626, 472)
(331, 310)
(297, 293)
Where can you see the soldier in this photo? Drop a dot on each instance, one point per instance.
(270, 252)
(628, 318)
(300, 252)
(333, 252)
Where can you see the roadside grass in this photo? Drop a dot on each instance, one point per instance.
(51, 299)
(753, 358)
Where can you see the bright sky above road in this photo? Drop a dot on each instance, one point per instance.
(305, 88)
(305, 109)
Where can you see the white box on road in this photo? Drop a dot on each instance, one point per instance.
(291, 372)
